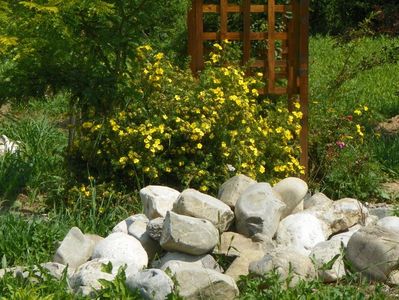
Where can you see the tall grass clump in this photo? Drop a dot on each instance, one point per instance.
(37, 168)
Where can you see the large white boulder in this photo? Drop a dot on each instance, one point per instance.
(374, 251)
(157, 200)
(196, 204)
(231, 190)
(292, 191)
(75, 249)
(258, 210)
(302, 232)
(188, 235)
(124, 248)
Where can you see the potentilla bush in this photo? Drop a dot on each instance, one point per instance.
(185, 131)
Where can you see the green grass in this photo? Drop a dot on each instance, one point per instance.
(346, 76)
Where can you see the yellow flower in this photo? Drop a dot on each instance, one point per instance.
(357, 112)
(297, 105)
(359, 130)
(262, 169)
(217, 46)
(87, 125)
(199, 146)
(168, 170)
(159, 56)
(136, 161)
(123, 160)
(365, 108)
(203, 188)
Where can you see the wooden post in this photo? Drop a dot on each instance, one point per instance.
(246, 8)
(304, 81)
(271, 55)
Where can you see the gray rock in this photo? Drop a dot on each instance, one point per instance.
(390, 223)
(298, 208)
(157, 200)
(302, 232)
(325, 252)
(196, 204)
(240, 266)
(382, 211)
(374, 251)
(17, 271)
(123, 248)
(153, 284)
(318, 199)
(341, 214)
(154, 228)
(123, 226)
(94, 238)
(232, 189)
(292, 191)
(258, 210)
(138, 228)
(75, 249)
(199, 283)
(287, 262)
(175, 260)
(56, 270)
(344, 237)
(188, 235)
(133, 225)
(7, 145)
(234, 244)
(85, 280)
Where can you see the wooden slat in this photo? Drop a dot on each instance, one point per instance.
(255, 8)
(192, 38)
(247, 30)
(223, 19)
(271, 45)
(199, 28)
(236, 36)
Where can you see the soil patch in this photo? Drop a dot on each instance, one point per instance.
(391, 126)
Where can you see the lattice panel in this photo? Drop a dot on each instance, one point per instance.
(280, 56)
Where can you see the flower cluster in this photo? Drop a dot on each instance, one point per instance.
(197, 132)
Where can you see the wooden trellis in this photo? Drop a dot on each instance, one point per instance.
(284, 61)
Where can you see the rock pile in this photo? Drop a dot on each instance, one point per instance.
(260, 228)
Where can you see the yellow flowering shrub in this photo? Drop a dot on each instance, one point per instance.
(197, 132)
